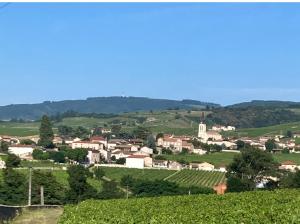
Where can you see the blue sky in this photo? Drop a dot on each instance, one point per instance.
(218, 52)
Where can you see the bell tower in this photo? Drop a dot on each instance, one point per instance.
(202, 128)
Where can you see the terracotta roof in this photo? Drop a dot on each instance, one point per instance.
(97, 138)
(285, 163)
(22, 146)
(137, 156)
(87, 142)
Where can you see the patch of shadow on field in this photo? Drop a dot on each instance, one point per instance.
(39, 216)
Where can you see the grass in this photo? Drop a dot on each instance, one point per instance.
(157, 121)
(217, 159)
(146, 174)
(197, 178)
(280, 157)
(19, 129)
(39, 216)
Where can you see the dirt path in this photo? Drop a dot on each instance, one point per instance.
(39, 216)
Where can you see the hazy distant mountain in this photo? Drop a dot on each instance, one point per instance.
(96, 105)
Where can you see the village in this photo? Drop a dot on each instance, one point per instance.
(134, 153)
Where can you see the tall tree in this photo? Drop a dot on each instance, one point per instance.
(13, 190)
(249, 168)
(46, 133)
(53, 191)
(12, 161)
(270, 145)
(79, 188)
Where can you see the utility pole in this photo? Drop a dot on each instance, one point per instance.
(29, 186)
(42, 196)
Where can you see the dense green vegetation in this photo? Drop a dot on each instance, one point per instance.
(189, 178)
(250, 207)
(263, 131)
(252, 117)
(95, 105)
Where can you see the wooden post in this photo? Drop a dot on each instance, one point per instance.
(29, 186)
(42, 196)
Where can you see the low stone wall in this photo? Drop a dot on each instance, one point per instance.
(8, 213)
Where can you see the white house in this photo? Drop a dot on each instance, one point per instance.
(146, 150)
(2, 164)
(99, 139)
(223, 128)
(93, 156)
(202, 166)
(171, 143)
(22, 151)
(288, 165)
(138, 161)
(87, 145)
(162, 164)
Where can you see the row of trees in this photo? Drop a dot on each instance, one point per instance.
(253, 167)
(14, 187)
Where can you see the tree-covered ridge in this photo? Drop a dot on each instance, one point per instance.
(252, 117)
(96, 105)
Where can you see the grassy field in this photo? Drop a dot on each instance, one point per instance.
(224, 158)
(217, 159)
(189, 178)
(169, 121)
(146, 174)
(19, 129)
(39, 216)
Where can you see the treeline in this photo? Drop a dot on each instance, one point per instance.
(252, 117)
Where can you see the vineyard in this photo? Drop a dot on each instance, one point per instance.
(249, 207)
(145, 174)
(188, 178)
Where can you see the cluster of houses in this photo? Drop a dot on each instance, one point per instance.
(137, 155)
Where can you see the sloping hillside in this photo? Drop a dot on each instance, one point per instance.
(96, 105)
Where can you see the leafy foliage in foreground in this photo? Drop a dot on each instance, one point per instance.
(250, 207)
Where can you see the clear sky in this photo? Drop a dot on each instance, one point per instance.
(218, 52)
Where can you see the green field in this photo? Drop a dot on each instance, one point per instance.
(187, 178)
(217, 159)
(225, 158)
(19, 129)
(145, 174)
(158, 121)
(250, 207)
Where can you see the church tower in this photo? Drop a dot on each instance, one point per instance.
(202, 129)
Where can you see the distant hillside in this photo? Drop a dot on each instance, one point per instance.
(96, 105)
(252, 117)
(263, 103)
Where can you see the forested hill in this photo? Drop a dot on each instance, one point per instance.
(252, 117)
(96, 105)
(267, 104)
